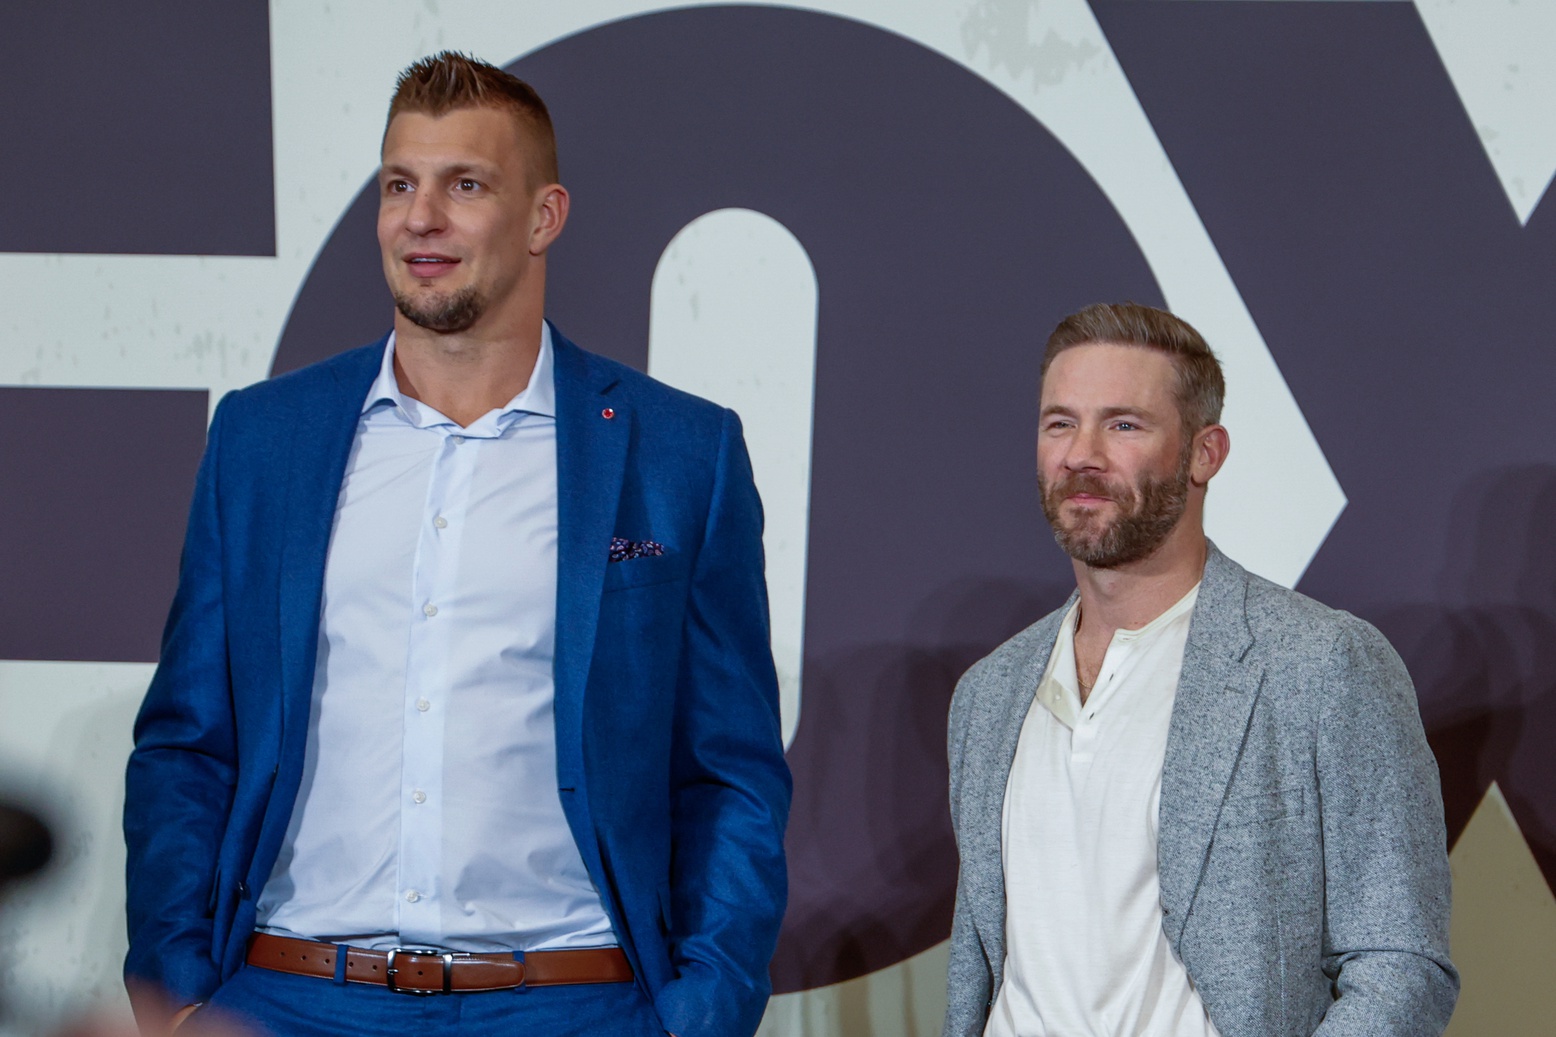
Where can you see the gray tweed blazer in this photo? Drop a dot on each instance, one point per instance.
(1302, 855)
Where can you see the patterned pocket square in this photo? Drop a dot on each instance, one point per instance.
(624, 550)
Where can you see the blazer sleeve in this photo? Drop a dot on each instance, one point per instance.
(1387, 885)
(181, 773)
(730, 786)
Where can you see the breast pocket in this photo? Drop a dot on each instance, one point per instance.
(1258, 808)
(645, 571)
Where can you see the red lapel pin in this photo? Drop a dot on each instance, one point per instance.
(607, 413)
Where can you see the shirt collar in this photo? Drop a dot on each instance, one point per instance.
(1059, 691)
(538, 397)
(1183, 605)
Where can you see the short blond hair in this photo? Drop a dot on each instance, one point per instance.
(1201, 386)
(449, 80)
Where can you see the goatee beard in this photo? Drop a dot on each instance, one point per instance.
(447, 313)
(1148, 513)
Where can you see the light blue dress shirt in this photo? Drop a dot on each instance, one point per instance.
(429, 812)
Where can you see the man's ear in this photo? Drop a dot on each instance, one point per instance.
(551, 214)
(1208, 453)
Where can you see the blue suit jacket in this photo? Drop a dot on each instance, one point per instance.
(669, 759)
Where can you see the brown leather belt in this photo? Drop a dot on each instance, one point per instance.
(423, 971)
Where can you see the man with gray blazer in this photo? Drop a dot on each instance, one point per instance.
(1189, 803)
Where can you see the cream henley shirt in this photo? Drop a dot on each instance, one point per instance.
(1085, 955)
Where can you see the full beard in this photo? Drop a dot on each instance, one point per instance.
(454, 312)
(1148, 513)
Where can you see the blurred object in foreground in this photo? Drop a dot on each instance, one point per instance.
(210, 1022)
(25, 843)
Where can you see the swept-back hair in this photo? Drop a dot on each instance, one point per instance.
(1200, 387)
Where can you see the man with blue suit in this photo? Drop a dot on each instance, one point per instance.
(466, 690)
(1190, 802)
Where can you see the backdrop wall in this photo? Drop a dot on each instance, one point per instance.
(854, 221)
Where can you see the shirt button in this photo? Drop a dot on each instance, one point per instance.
(419, 796)
(423, 705)
(411, 896)
(440, 522)
(429, 609)
(458, 439)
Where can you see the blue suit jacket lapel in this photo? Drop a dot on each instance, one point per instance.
(591, 462)
(323, 428)
(1210, 716)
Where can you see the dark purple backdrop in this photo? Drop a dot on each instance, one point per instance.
(136, 127)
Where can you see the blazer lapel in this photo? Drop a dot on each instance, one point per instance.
(997, 726)
(592, 432)
(323, 425)
(1209, 723)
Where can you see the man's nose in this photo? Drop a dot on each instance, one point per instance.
(425, 215)
(1086, 450)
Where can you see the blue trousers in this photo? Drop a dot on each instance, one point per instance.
(276, 1004)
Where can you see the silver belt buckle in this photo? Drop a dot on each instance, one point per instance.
(393, 971)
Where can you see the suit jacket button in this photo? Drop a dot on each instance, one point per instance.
(243, 889)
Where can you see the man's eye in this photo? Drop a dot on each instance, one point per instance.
(1126, 426)
(469, 185)
(397, 187)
